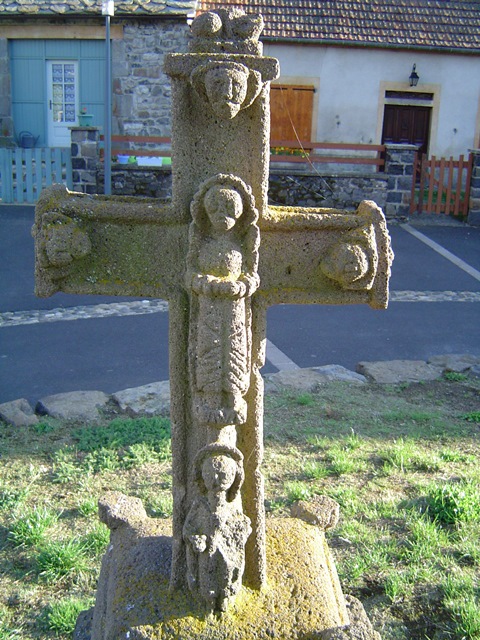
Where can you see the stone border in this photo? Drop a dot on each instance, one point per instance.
(154, 399)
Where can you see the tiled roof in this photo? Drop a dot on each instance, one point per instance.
(444, 24)
(94, 7)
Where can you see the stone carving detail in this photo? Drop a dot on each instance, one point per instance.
(216, 530)
(64, 240)
(353, 262)
(227, 86)
(227, 31)
(222, 275)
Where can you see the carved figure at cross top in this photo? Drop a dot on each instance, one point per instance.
(221, 256)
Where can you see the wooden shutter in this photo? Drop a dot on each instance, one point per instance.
(291, 112)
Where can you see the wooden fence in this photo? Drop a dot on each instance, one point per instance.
(321, 152)
(281, 150)
(25, 172)
(441, 185)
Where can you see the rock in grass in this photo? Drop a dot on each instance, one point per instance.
(82, 406)
(309, 380)
(458, 363)
(321, 511)
(150, 399)
(397, 371)
(18, 413)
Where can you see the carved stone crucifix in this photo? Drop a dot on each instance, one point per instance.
(220, 255)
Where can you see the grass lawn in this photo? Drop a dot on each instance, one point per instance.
(403, 461)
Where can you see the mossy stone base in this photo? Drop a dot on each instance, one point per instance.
(303, 599)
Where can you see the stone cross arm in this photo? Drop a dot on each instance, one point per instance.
(125, 246)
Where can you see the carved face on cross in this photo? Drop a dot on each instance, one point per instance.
(224, 207)
(227, 86)
(218, 473)
(226, 89)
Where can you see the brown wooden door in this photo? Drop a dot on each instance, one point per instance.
(404, 124)
(291, 112)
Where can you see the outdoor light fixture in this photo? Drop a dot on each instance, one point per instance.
(414, 77)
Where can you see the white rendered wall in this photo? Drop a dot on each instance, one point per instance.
(351, 86)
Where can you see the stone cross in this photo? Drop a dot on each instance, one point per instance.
(220, 255)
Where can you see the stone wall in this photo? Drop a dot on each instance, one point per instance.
(287, 187)
(345, 191)
(399, 159)
(141, 90)
(84, 148)
(130, 180)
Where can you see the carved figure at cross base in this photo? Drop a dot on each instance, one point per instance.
(221, 256)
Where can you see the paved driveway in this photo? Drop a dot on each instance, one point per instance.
(94, 342)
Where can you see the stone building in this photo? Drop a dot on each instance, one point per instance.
(346, 67)
(52, 67)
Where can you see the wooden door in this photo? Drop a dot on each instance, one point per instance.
(405, 124)
(291, 112)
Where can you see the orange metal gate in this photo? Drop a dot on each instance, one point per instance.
(441, 186)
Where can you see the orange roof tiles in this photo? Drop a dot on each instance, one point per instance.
(442, 24)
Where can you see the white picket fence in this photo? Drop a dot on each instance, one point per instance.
(25, 172)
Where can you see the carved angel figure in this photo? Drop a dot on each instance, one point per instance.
(222, 275)
(216, 530)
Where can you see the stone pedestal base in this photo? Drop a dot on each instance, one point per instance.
(303, 598)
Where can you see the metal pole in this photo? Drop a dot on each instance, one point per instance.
(108, 111)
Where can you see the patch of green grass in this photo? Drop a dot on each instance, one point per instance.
(122, 444)
(161, 506)
(472, 416)
(452, 455)
(305, 399)
(406, 454)
(97, 539)
(122, 433)
(313, 470)
(29, 526)
(88, 507)
(44, 427)
(61, 616)
(101, 460)
(10, 497)
(462, 600)
(65, 467)
(297, 490)
(58, 558)
(144, 453)
(454, 503)
(454, 376)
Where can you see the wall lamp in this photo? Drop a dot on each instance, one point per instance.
(414, 77)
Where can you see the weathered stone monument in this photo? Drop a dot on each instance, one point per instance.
(220, 255)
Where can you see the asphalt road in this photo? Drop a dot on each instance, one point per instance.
(114, 353)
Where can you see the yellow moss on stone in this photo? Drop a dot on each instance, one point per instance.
(303, 597)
